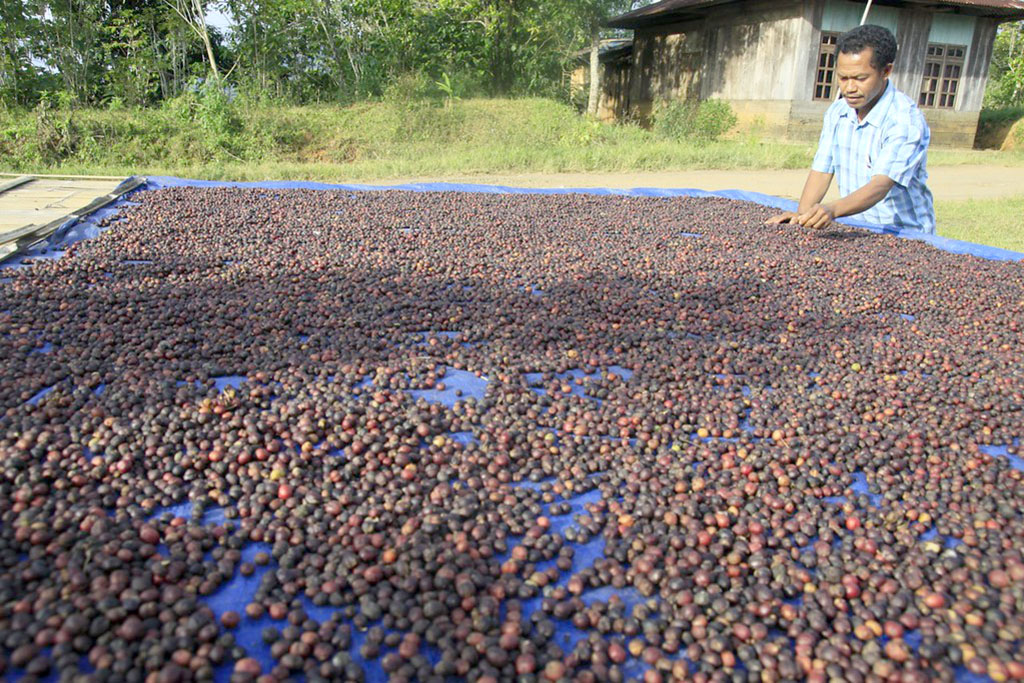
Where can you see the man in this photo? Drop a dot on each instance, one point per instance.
(875, 138)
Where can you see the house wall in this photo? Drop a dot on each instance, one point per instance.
(953, 29)
(761, 57)
(613, 101)
(972, 85)
(666, 66)
(914, 29)
(912, 36)
(750, 55)
(842, 15)
(738, 53)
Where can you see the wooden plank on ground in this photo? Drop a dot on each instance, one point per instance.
(17, 240)
(71, 177)
(11, 184)
(43, 200)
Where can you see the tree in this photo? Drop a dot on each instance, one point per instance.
(193, 13)
(596, 12)
(133, 63)
(69, 40)
(19, 30)
(1006, 71)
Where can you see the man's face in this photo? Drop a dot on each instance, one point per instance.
(859, 82)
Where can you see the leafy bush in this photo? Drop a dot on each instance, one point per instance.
(1005, 86)
(214, 111)
(692, 120)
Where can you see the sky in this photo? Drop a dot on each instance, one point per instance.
(219, 20)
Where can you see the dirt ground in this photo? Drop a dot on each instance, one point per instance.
(946, 182)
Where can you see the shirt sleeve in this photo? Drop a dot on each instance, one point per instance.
(824, 161)
(903, 150)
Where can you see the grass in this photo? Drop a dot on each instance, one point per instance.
(367, 140)
(995, 222)
(375, 140)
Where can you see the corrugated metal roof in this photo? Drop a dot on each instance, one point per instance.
(610, 50)
(670, 10)
(654, 13)
(1015, 6)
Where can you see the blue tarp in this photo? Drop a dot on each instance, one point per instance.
(239, 591)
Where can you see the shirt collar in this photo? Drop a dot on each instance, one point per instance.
(877, 112)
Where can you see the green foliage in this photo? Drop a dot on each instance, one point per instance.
(1006, 72)
(20, 79)
(294, 51)
(409, 87)
(216, 116)
(57, 137)
(446, 88)
(693, 120)
(376, 140)
(70, 41)
(1001, 116)
(132, 59)
(369, 140)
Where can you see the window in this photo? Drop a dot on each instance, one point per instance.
(826, 66)
(942, 68)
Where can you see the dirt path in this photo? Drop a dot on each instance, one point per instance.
(946, 182)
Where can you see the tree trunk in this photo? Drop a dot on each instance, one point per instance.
(594, 100)
(194, 15)
(204, 35)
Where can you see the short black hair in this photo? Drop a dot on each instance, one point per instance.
(880, 39)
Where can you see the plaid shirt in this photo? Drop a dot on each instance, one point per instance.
(892, 140)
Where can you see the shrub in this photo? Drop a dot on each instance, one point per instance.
(692, 120)
(212, 108)
(57, 136)
(409, 86)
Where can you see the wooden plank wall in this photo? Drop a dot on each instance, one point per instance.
(666, 65)
(814, 10)
(912, 39)
(951, 128)
(805, 120)
(739, 52)
(972, 85)
(751, 51)
(614, 101)
(613, 104)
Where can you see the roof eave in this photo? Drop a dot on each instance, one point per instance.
(634, 20)
(649, 16)
(1007, 12)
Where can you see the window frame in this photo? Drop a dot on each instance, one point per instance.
(943, 71)
(822, 89)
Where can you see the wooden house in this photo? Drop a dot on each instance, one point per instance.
(774, 60)
(616, 60)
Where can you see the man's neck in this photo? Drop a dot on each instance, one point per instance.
(863, 112)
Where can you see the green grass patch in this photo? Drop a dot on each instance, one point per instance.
(366, 140)
(204, 136)
(995, 222)
(975, 157)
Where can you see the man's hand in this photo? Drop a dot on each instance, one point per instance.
(817, 217)
(784, 217)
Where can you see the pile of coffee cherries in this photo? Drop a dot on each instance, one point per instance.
(269, 435)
